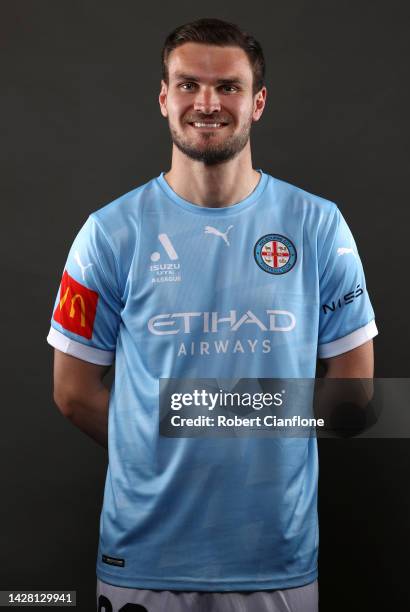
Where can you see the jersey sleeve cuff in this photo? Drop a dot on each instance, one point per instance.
(79, 350)
(349, 342)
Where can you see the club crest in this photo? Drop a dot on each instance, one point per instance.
(275, 254)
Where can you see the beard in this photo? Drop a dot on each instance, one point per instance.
(208, 153)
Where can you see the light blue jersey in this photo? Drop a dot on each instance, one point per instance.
(170, 289)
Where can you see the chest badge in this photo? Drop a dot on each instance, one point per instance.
(275, 254)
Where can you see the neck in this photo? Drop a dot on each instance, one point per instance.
(215, 186)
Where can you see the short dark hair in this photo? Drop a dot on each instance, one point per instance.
(220, 33)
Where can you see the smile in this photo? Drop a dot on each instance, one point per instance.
(205, 125)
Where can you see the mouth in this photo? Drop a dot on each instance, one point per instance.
(207, 125)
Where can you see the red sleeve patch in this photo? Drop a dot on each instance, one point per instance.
(77, 307)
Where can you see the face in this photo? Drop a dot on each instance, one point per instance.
(209, 101)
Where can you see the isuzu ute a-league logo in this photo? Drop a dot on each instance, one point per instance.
(167, 271)
(275, 254)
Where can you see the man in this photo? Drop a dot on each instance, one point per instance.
(212, 270)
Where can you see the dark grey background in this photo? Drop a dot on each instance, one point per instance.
(81, 125)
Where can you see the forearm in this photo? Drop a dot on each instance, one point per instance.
(346, 387)
(90, 414)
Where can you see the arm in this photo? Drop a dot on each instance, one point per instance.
(81, 395)
(337, 403)
(357, 363)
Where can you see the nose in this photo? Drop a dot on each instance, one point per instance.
(207, 101)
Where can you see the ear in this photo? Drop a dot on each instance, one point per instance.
(259, 103)
(162, 99)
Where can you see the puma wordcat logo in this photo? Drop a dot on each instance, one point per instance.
(345, 251)
(224, 235)
(83, 268)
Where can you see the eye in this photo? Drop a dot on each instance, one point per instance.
(229, 88)
(187, 86)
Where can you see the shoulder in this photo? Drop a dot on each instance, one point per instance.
(119, 220)
(299, 199)
(314, 215)
(126, 207)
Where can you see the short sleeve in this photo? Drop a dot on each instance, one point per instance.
(346, 315)
(87, 309)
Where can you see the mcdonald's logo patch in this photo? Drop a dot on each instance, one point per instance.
(77, 307)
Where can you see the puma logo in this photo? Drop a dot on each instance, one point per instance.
(224, 235)
(83, 268)
(344, 251)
